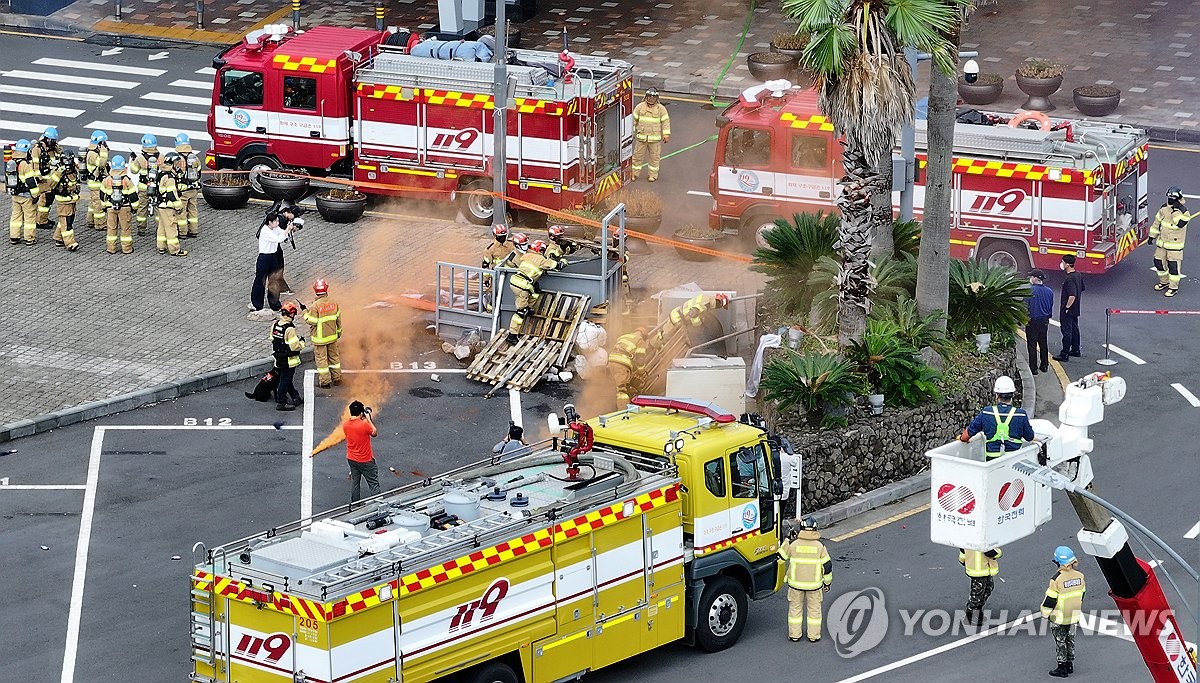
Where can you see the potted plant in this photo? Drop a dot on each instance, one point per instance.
(514, 34)
(823, 384)
(792, 45)
(224, 191)
(1039, 79)
(1096, 100)
(579, 230)
(341, 204)
(770, 66)
(289, 184)
(986, 89)
(643, 209)
(697, 236)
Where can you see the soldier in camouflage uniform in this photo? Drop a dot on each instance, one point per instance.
(1062, 607)
(982, 567)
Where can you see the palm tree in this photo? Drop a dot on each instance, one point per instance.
(856, 54)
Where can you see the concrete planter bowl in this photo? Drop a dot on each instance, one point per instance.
(283, 185)
(1096, 100)
(1039, 91)
(985, 90)
(770, 66)
(341, 206)
(225, 193)
(709, 239)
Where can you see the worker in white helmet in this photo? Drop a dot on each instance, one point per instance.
(1004, 424)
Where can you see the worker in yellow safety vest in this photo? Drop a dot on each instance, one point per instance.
(809, 575)
(324, 319)
(651, 129)
(1169, 232)
(981, 566)
(524, 284)
(1062, 607)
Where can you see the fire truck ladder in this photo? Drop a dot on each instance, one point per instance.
(204, 610)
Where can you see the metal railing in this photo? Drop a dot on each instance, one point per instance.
(465, 300)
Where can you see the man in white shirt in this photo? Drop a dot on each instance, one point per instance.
(264, 303)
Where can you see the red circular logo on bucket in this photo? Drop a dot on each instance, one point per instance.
(955, 498)
(1012, 494)
(1173, 647)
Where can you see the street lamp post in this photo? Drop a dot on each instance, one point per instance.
(500, 119)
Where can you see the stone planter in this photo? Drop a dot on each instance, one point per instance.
(646, 224)
(1039, 91)
(514, 35)
(224, 197)
(1096, 100)
(283, 186)
(338, 209)
(711, 241)
(770, 66)
(986, 90)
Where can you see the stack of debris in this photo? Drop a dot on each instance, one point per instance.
(547, 337)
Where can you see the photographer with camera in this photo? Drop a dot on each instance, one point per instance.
(264, 302)
(514, 443)
(359, 430)
(290, 217)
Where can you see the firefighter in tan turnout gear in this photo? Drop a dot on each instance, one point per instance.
(168, 204)
(188, 181)
(524, 284)
(65, 192)
(1169, 232)
(324, 319)
(144, 168)
(119, 194)
(46, 156)
(95, 167)
(651, 129)
(21, 180)
(808, 575)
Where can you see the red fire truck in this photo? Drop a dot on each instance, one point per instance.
(1021, 198)
(347, 102)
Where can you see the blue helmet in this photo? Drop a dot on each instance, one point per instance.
(22, 145)
(149, 140)
(1063, 555)
(99, 136)
(182, 139)
(51, 133)
(118, 163)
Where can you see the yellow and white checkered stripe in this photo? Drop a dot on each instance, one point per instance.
(1005, 169)
(306, 64)
(815, 122)
(279, 602)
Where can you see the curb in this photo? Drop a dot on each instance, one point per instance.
(890, 493)
(39, 23)
(136, 399)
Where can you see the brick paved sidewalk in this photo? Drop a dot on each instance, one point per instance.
(1143, 47)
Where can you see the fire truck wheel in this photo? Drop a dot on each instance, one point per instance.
(1006, 254)
(257, 164)
(477, 207)
(751, 231)
(722, 614)
(495, 672)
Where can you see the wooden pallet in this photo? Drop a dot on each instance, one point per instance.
(546, 339)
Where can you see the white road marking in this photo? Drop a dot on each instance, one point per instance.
(55, 94)
(178, 99)
(698, 193)
(187, 428)
(1122, 352)
(207, 71)
(43, 487)
(161, 113)
(1187, 395)
(113, 145)
(306, 447)
(100, 66)
(155, 130)
(23, 126)
(1193, 532)
(38, 110)
(514, 406)
(75, 612)
(75, 80)
(411, 371)
(198, 85)
(939, 650)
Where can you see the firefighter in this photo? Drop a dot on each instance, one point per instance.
(95, 168)
(1002, 423)
(47, 157)
(324, 320)
(559, 245)
(1062, 607)
(652, 128)
(188, 182)
(808, 574)
(498, 252)
(980, 566)
(120, 194)
(1168, 232)
(21, 180)
(690, 316)
(66, 195)
(144, 167)
(627, 357)
(286, 346)
(168, 204)
(524, 284)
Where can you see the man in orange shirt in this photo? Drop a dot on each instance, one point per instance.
(359, 430)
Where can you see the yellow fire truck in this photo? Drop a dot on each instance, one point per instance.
(620, 534)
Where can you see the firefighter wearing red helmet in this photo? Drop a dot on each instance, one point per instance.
(499, 251)
(559, 245)
(524, 284)
(324, 319)
(286, 346)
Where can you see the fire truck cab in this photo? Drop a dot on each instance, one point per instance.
(1021, 198)
(356, 103)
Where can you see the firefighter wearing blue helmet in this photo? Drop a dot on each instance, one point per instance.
(119, 193)
(188, 181)
(95, 167)
(143, 168)
(21, 181)
(47, 158)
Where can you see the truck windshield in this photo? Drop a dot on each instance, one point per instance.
(241, 88)
(751, 478)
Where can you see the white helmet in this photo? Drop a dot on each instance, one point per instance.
(1004, 385)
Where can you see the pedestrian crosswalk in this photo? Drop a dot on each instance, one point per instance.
(124, 100)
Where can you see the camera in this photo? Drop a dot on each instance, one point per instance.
(971, 71)
(297, 223)
(366, 410)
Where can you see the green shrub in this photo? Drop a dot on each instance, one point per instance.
(918, 331)
(812, 380)
(986, 299)
(891, 365)
(906, 237)
(794, 247)
(894, 278)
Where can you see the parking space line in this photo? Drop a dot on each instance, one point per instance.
(1193, 532)
(514, 406)
(882, 522)
(152, 428)
(1187, 395)
(1122, 352)
(81, 553)
(410, 371)
(43, 487)
(306, 461)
